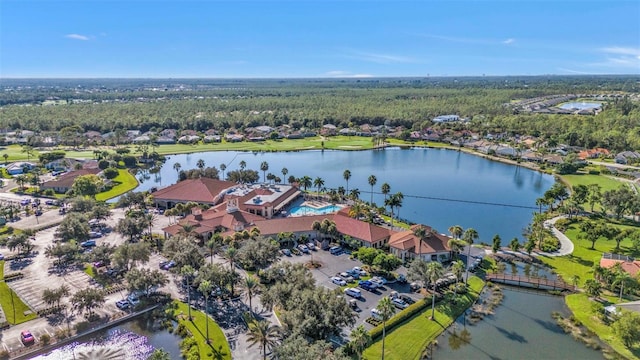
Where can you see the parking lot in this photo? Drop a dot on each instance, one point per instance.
(333, 264)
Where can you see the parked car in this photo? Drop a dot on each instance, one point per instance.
(376, 280)
(335, 250)
(133, 300)
(169, 265)
(38, 212)
(338, 281)
(1, 257)
(95, 234)
(51, 202)
(399, 303)
(402, 279)
(311, 246)
(353, 303)
(27, 338)
(353, 292)
(98, 264)
(122, 304)
(414, 286)
(286, 252)
(345, 276)
(359, 270)
(375, 313)
(303, 248)
(367, 285)
(88, 243)
(407, 299)
(354, 274)
(25, 202)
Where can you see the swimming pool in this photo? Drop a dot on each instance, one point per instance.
(308, 210)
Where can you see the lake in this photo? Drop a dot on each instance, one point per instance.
(580, 105)
(521, 328)
(435, 182)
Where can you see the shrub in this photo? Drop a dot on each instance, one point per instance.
(110, 173)
(400, 317)
(181, 330)
(4, 354)
(45, 339)
(550, 244)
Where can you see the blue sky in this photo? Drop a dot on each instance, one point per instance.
(229, 39)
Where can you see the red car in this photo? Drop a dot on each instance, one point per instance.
(27, 338)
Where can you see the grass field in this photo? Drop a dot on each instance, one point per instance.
(9, 300)
(197, 328)
(408, 340)
(583, 259)
(126, 182)
(584, 179)
(580, 306)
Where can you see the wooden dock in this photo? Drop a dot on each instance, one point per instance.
(530, 282)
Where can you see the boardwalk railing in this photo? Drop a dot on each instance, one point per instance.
(527, 281)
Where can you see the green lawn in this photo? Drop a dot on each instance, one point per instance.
(9, 299)
(582, 260)
(126, 182)
(408, 340)
(580, 306)
(197, 328)
(584, 179)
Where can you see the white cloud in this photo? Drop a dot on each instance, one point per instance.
(619, 57)
(380, 58)
(77, 37)
(346, 74)
(620, 50)
(467, 40)
(509, 41)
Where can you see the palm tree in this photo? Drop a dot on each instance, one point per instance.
(319, 183)
(187, 272)
(434, 272)
(455, 231)
(214, 244)
(354, 194)
(5, 156)
(399, 198)
(316, 226)
(575, 280)
(177, 167)
(264, 166)
(243, 164)
(223, 167)
(231, 254)
(347, 175)
(372, 181)
(251, 288)
(469, 236)
(385, 189)
(284, 172)
(305, 182)
(621, 278)
(386, 309)
(457, 268)
(592, 288)
(205, 288)
(421, 233)
(200, 164)
(261, 332)
(391, 203)
(360, 339)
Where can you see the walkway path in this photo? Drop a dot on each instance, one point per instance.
(566, 245)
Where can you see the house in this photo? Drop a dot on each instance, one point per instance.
(406, 245)
(264, 129)
(165, 140)
(328, 129)
(188, 139)
(212, 138)
(64, 182)
(626, 157)
(446, 118)
(263, 199)
(369, 235)
(592, 153)
(65, 164)
(19, 167)
(224, 218)
(627, 263)
(203, 191)
(233, 137)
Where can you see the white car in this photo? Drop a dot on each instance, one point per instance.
(338, 281)
(303, 248)
(359, 271)
(377, 281)
(399, 303)
(346, 277)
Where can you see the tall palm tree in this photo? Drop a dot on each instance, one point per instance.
(200, 164)
(243, 164)
(399, 198)
(469, 236)
(385, 189)
(214, 245)
(455, 231)
(347, 175)
(434, 272)
(251, 288)
(372, 181)
(177, 167)
(421, 233)
(319, 183)
(284, 172)
(391, 203)
(457, 268)
(264, 166)
(316, 226)
(305, 182)
(261, 332)
(5, 156)
(223, 167)
(205, 288)
(360, 339)
(622, 277)
(231, 254)
(187, 272)
(386, 309)
(354, 194)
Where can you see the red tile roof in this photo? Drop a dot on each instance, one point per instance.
(288, 224)
(359, 229)
(66, 180)
(631, 267)
(214, 218)
(407, 240)
(202, 190)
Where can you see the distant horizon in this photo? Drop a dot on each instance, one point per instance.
(348, 39)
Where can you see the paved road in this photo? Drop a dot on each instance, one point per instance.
(566, 245)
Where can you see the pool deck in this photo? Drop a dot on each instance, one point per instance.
(315, 208)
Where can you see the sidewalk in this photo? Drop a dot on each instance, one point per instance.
(566, 245)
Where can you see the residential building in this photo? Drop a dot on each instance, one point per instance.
(433, 247)
(64, 182)
(627, 263)
(202, 191)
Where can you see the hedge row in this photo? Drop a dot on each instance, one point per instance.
(13, 276)
(403, 315)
